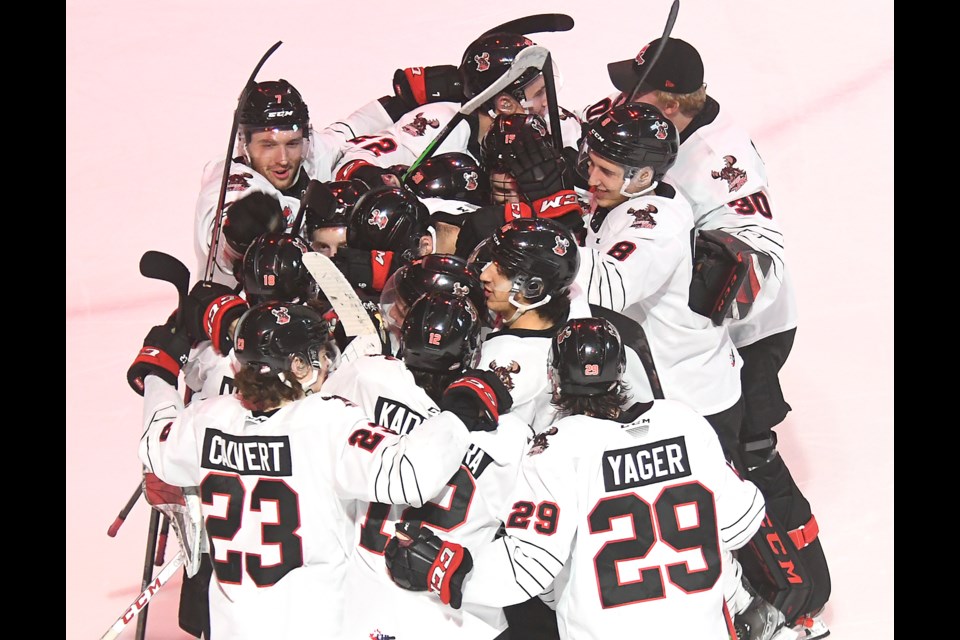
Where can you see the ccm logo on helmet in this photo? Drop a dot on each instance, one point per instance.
(279, 114)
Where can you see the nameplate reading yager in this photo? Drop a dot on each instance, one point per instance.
(247, 455)
(645, 464)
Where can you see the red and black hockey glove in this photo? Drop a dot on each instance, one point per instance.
(542, 177)
(163, 354)
(366, 270)
(208, 312)
(370, 174)
(420, 85)
(418, 560)
(478, 397)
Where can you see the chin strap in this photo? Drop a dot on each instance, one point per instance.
(523, 308)
(651, 187)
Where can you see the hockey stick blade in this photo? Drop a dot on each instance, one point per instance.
(162, 266)
(532, 56)
(338, 290)
(667, 30)
(138, 605)
(537, 23)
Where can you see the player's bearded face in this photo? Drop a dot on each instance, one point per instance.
(277, 155)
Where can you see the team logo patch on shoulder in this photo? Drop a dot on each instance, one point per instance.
(643, 218)
(506, 373)
(239, 181)
(419, 125)
(540, 444)
(734, 176)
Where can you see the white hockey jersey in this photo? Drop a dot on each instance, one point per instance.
(404, 141)
(519, 358)
(720, 172)
(466, 511)
(637, 260)
(280, 494)
(638, 512)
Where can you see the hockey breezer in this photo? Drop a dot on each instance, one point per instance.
(532, 56)
(218, 219)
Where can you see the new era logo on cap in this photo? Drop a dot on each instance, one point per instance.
(678, 69)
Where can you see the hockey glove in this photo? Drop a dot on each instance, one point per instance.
(478, 398)
(418, 560)
(366, 270)
(727, 275)
(419, 85)
(163, 354)
(209, 311)
(370, 174)
(539, 169)
(182, 507)
(248, 218)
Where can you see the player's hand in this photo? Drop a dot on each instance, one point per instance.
(539, 169)
(478, 397)
(163, 354)
(208, 312)
(419, 85)
(418, 560)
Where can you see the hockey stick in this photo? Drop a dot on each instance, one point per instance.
(553, 109)
(667, 30)
(122, 516)
(350, 311)
(635, 337)
(140, 603)
(537, 23)
(217, 220)
(532, 56)
(162, 266)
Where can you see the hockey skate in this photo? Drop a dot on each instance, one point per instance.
(812, 626)
(762, 621)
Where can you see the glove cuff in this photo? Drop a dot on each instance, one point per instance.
(444, 568)
(416, 80)
(559, 204)
(478, 388)
(380, 262)
(218, 316)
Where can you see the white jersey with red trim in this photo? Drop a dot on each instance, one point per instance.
(280, 492)
(242, 181)
(467, 510)
(328, 144)
(637, 260)
(405, 140)
(639, 511)
(719, 171)
(519, 358)
(207, 373)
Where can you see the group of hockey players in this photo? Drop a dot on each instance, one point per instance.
(557, 421)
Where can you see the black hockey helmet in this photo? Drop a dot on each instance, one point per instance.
(270, 334)
(273, 104)
(441, 333)
(435, 272)
(587, 358)
(539, 254)
(495, 145)
(489, 57)
(388, 219)
(273, 269)
(451, 176)
(633, 135)
(328, 204)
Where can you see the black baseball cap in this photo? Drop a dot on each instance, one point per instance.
(679, 69)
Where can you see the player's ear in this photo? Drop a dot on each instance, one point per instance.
(504, 104)
(426, 245)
